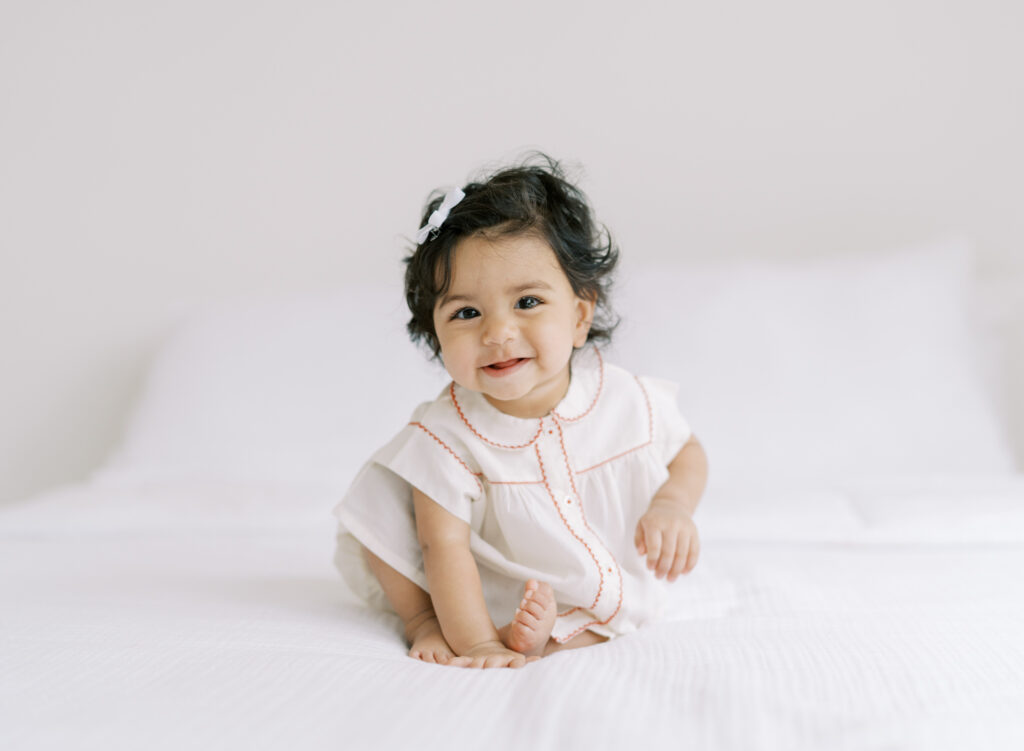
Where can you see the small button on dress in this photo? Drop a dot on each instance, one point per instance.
(555, 499)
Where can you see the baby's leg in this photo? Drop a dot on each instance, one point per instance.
(414, 607)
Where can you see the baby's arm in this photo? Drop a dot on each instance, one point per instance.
(666, 533)
(455, 589)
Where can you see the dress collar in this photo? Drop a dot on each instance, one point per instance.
(487, 422)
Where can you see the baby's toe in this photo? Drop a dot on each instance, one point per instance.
(534, 609)
(531, 613)
(545, 594)
(525, 620)
(422, 656)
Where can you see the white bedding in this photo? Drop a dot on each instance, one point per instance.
(153, 618)
(861, 584)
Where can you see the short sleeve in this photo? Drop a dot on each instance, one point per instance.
(671, 430)
(434, 466)
(377, 509)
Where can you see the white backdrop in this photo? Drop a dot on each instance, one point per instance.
(158, 156)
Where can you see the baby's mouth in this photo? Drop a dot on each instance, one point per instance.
(505, 366)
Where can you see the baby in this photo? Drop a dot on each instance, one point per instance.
(544, 488)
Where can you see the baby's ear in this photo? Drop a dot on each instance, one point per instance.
(584, 318)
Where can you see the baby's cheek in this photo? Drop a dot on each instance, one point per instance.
(559, 337)
(458, 362)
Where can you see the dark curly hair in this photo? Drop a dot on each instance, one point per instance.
(531, 197)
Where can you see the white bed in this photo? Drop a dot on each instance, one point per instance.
(861, 584)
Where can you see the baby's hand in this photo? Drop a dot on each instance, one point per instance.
(667, 535)
(491, 654)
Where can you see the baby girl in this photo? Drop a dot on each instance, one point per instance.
(544, 488)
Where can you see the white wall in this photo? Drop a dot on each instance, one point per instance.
(155, 156)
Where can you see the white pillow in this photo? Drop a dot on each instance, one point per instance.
(282, 392)
(846, 367)
(854, 367)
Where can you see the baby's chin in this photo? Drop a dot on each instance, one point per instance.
(514, 406)
(524, 403)
(501, 394)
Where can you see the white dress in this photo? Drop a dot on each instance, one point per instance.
(555, 499)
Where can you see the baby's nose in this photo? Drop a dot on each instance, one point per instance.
(500, 329)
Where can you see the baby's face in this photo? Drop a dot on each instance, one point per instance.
(509, 322)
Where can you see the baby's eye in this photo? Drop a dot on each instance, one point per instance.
(464, 314)
(529, 301)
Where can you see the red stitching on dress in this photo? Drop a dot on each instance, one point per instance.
(650, 413)
(572, 482)
(618, 572)
(458, 407)
(476, 475)
(650, 432)
(560, 514)
(565, 455)
(595, 622)
(600, 387)
(617, 456)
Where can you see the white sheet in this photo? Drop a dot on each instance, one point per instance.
(134, 620)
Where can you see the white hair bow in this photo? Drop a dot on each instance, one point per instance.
(440, 214)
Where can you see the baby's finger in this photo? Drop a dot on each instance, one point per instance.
(499, 661)
(460, 662)
(668, 553)
(691, 559)
(638, 539)
(679, 562)
(653, 537)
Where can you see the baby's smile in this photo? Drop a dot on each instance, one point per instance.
(505, 367)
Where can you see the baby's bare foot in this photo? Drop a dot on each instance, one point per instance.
(530, 629)
(428, 643)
